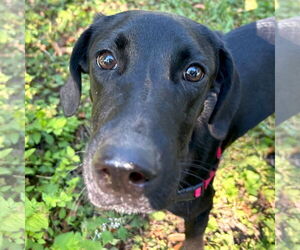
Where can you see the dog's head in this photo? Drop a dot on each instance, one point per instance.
(153, 77)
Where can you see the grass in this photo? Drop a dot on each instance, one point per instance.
(287, 190)
(58, 215)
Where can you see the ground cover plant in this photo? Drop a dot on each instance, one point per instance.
(58, 215)
(11, 126)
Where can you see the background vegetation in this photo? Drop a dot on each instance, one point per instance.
(58, 215)
(288, 164)
(12, 67)
(287, 184)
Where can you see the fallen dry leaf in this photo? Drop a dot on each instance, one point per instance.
(176, 237)
(178, 246)
(200, 6)
(250, 5)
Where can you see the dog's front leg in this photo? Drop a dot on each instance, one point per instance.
(197, 220)
(194, 231)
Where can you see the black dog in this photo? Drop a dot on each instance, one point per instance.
(168, 96)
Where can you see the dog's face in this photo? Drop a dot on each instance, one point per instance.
(153, 76)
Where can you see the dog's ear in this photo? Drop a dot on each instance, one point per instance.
(227, 86)
(70, 93)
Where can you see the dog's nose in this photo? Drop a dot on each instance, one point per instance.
(122, 177)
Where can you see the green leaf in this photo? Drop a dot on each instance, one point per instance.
(14, 137)
(5, 207)
(5, 152)
(37, 222)
(29, 171)
(107, 237)
(67, 241)
(160, 215)
(4, 171)
(14, 222)
(90, 245)
(49, 138)
(70, 152)
(36, 216)
(36, 137)
(137, 222)
(1, 240)
(122, 233)
(29, 152)
(74, 241)
(62, 213)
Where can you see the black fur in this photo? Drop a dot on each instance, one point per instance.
(146, 113)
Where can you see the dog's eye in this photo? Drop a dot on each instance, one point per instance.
(106, 60)
(193, 73)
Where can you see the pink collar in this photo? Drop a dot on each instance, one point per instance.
(194, 192)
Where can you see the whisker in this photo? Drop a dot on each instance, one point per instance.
(77, 166)
(79, 152)
(201, 162)
(191, 174)
(200, 167)
(195, 166)
(88, 129)
(77, 201)
(198, 161)
(186, 183)
(194, 171)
